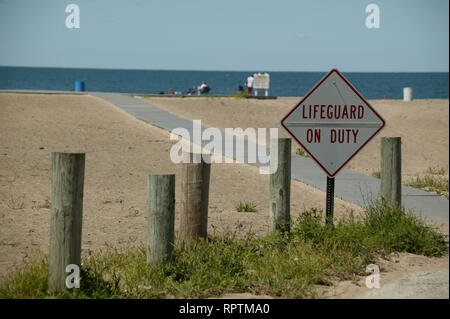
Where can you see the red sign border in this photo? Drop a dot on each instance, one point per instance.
(359, 95)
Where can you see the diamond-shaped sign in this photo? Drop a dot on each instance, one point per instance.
(333, 122)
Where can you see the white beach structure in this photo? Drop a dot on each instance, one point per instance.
(407, 94)
(261, 82)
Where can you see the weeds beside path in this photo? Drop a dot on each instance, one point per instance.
(281, 265)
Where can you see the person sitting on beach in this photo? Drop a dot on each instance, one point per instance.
(240, 89)
(191, 91)
(204, 88)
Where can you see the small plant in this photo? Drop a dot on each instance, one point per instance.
(133, 212)
(241, 95)
(436, 171)
(301, 152)
(246, 207)
(16, 203)
(45, 204)
(377, 174)
(432, 183)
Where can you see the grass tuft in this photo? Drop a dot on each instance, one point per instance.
(38, 205)
(246, 207)
(377, 174)
(431, 183)
(436, 171)
(16, 203)
(241, 95)
(301, 152)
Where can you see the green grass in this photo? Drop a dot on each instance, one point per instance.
(38, 205)
(246, 207)
(285, 265)
(377, 174)
(241, 95)
(301, 152)
(15, 203)
(436, 171)
(432, 183)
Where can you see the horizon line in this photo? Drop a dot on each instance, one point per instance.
(211, 70)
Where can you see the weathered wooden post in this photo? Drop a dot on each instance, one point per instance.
(280, 184)
(160, 217)
(391, 170)
(66, 216)
(194, 199)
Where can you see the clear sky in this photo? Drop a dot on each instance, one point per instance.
(271, 35)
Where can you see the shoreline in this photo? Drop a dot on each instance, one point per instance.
(155, 95)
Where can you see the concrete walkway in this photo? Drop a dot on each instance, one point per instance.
(350, 186)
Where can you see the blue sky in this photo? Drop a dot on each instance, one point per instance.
(275, 35)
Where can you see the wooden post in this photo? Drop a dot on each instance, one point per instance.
(160, 217)
(280, 185)
(66, 216)
(391, 170)
(194, 200)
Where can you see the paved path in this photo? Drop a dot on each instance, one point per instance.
(350, 186)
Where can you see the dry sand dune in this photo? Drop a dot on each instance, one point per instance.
(120, 152)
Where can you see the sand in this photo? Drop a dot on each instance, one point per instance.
(398, 279)
(423, 126)
(121, 151)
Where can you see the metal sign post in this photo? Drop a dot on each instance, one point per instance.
(330, 200)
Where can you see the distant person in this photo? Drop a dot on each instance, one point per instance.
(171, 91)
(249, 83)
(240, 89)
(204, 88)
(191, 91)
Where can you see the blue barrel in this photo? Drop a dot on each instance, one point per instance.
(79, 86)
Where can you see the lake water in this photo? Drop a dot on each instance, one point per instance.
(370, 85)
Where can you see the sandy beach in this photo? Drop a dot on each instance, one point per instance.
(122, 150)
